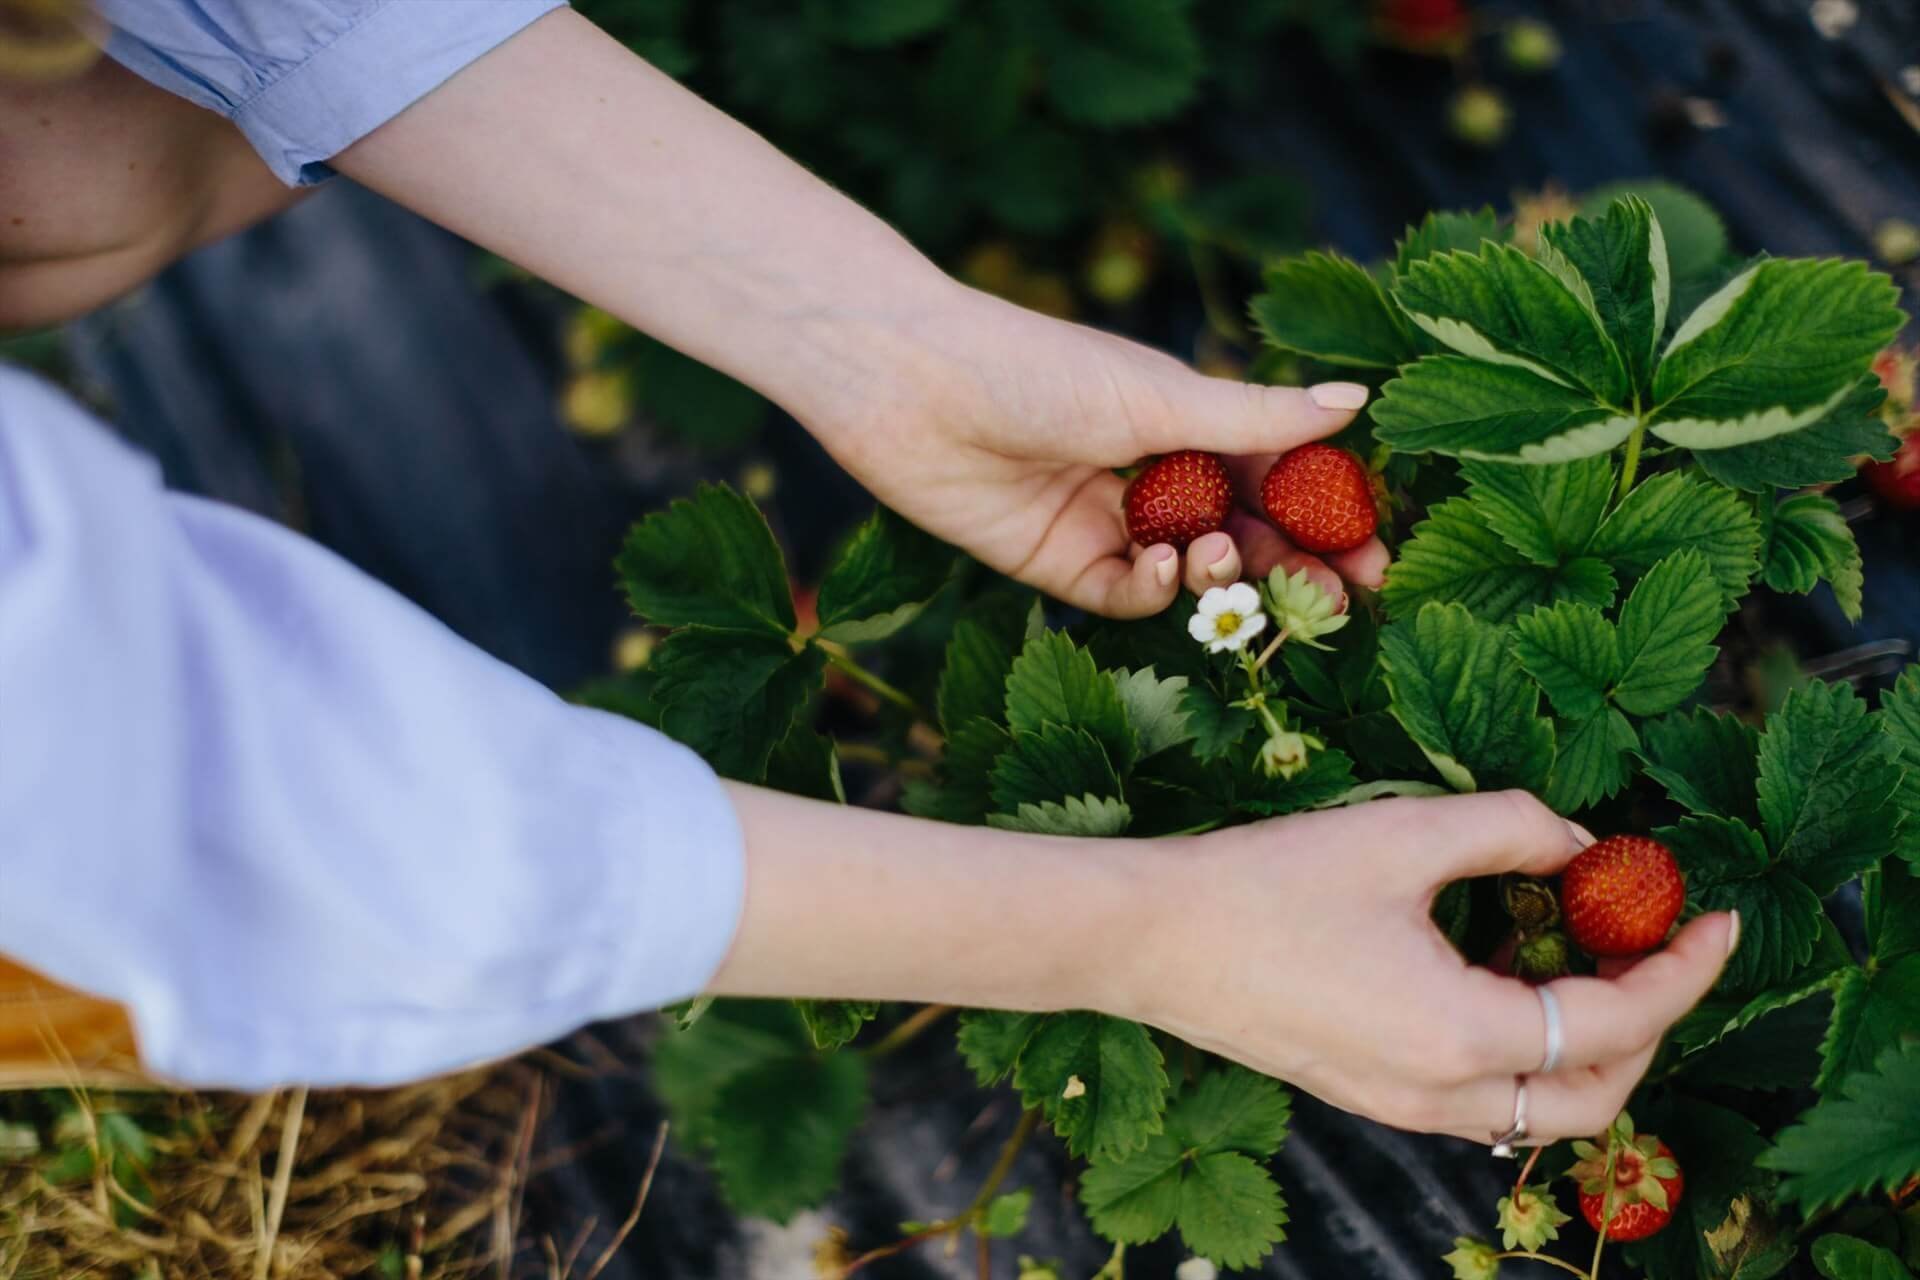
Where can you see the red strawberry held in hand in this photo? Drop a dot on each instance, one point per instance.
(1321, 497)
(1178, 498)
(1647, 1184)
(1621, 895)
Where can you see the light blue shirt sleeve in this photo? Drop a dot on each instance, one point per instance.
(300, 829)
(305, 79)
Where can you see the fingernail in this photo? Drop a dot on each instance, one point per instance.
(1165, 567)
(1733, 934)
(1222, 569)
(1581, 836)
(1338, 395)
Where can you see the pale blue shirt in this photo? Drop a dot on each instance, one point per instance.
(301, 830)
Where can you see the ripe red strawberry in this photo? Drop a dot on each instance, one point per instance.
(1897, 482)
(1647, 1182)
(1321, 497)
(1621, 895)
(1423, 26)
(1178, 498)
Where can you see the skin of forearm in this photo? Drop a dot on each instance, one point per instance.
(664, 211)
(859, 904)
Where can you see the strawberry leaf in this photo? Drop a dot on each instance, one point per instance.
(708, 561)
(1122, 1087)
(1900, 720)
(1455, 557)
(980, 654)
(1574, 654)
(1592, 761)
(1779, 346)
(1443, 232)
(1827, 780)
(806, 764)
(1779, 1049)
(1808, 542)
(1728, 869)
(1708, 762)
(1826, 452)
(1006, 1216)
(1055, 682)
(1890, 900)
(1872, 1012)
(1217, 725)
(887, 572)
(733, 696)
(1863, 1140)
(1475, 409)
(1078, 816)
(1667, 627)
(1673, 511)
(1155, 708)
(991, 1041)
(1547, 514)
(1502, 307)
(1051, 764)
(832, 1023)
(1325, 306)
(1622, 259)
(1462, 697)
(1840, 1257)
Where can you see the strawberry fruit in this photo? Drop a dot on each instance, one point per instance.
(1647, 1186)
(1321, 497)
(1178, 498)
(1621, 895)
(1897, 481)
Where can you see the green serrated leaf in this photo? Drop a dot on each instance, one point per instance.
(1779, 1049)
(1622, 258)
(1900, 719)
(1462, 697)
(1444, 232)
(1055, 682)
(1708, 762)
(1079, 816)
(1722, 1015)
(780, 1130)
(1672, 512)
(1860, 1142)
(1325, 306)
(1155, 708)
(1232, 1109)
(1840, 1257)
(1592, 762)
(1810, 542)
(1779, 924)
(1329, 773)
(832, 1023)
(1472, 409)
(1825, 452)
(965, 794)
(806, 764)
(1667, 629)
(1455, 557)
(991, 1041)
(1547, 514)
(708, 561)
(1783, 338)
(733, 696)
(1696, 238)
(1230, 1210)
(1827, 780)
(1872, 1012)
(980, 654)
(1890, 896)
(1217, 725)
(1051, 765)
(1571, 649)
(883, 577)
(1502, 307)
(1098, 1079)
(1715, 851)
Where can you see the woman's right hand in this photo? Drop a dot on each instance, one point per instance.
(1303, 947)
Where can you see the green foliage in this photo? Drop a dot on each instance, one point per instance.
(886, 574)
(1460, 694)
(1857, 1141)
(708, 561)
(1328, 307)
(1099, 1081)
(1840, 1257)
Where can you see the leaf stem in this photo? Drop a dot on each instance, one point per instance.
(1527, 1168)
(1547, 1258)
(1273, 647)
(1004, 1165)
(867, 753)
(1631, 469)
(840, 658)
(1606, 1208)
(907, 1031)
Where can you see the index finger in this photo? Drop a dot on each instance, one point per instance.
(1488, 832)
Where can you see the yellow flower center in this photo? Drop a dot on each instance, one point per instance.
(1226, 624)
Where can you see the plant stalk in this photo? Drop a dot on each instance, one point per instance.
(1547, 1258)
(838, 657)
(907, 1031)
(1004, 1165)
(1630, 470)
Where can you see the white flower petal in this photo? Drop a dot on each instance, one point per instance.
(1250, 626)
(1221, 645)
(1200, 627)
(1241, 598)
(1216, 600)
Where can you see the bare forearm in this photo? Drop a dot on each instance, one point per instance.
(660, 209)
(864, 905)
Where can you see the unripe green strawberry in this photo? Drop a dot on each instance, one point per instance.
(1621, 895)
(1178, 498)
(1321, 497)
(1541, 958)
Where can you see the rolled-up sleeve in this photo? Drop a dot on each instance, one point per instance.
(305, 79)
(298, 828)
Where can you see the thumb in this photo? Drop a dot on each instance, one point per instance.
(1225, 416)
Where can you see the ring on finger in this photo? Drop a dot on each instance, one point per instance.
(1556, 1029)
(1506, 1145)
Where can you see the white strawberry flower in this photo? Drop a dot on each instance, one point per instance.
(1228, 617)
(1196, 1269)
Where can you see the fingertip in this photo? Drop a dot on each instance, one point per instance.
(1365, 565)
(1163, 563)
(1212, 561)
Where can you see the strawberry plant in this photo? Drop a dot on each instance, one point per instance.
(1589, 475)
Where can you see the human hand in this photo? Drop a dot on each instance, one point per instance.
(1004, 439)
(1304, 948)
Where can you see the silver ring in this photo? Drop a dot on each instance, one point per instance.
(1505, 1145)
(1556, 1032)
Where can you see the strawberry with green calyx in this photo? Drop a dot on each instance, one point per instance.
(1321, 497)
(1529, 1219)
(1897, 481)
(1634, 1185)
(1303, 608)
(1178, 498)
(1529, 902)
(1542, 958)
(1286, 751)
(1621, 895)
(1472, 1259)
